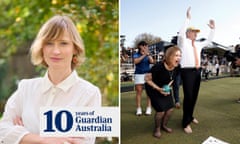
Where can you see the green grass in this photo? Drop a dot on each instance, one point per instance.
(128, 83)
(216, 110)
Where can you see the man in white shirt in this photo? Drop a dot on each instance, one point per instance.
(191, 70)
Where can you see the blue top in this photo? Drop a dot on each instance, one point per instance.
(142, 67)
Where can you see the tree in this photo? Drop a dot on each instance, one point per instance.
(149, 38)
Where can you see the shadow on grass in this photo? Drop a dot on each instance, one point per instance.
(216, 109)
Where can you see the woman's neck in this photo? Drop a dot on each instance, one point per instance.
(168, 67)
(56, 76)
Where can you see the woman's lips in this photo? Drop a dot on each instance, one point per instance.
(55, 59)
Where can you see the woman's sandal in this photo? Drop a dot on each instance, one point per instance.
(166, 129)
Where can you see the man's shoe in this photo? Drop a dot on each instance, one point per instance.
(139, 112)
(148, 111)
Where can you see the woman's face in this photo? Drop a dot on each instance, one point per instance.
(59, 53)
(175, 59)
(144, 49)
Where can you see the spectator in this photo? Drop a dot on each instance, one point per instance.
(237, 62)
(177, 81)
(217, 68)
(142, 61)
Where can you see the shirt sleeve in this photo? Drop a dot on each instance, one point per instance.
(86, 140)
(209, 39)
(94, 100)
(10, 133)
(182, 33)
(136, 55)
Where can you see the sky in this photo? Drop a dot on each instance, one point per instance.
(164, 18)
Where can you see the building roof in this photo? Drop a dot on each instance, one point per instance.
(216, 48)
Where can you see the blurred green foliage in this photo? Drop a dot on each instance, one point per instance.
(96, 20)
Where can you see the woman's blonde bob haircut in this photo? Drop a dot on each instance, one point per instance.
(52, 30)
(170, 53)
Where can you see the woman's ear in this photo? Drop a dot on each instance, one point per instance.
(75, 52)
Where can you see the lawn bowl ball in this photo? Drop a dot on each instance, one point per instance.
(166, 88)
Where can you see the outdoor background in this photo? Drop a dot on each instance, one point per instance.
(97, 23)
(164, 18)
(158, 22)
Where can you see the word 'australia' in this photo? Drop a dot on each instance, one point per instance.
(102, 127)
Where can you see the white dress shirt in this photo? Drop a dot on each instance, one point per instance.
(185, 44)
(35, 93)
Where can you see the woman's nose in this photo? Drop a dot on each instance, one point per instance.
(56, 49)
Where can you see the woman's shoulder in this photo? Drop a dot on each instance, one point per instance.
(30, 82)
(90, 91)
(158, 65)
(136, 55)
(86, 84)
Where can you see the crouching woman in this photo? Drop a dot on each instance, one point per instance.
(158, 87)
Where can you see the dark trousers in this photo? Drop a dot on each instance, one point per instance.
(176, 85)
(191, 78)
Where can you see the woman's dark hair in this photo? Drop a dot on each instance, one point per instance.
(141, 43)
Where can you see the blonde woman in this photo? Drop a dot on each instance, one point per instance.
(158, 87)
(59, 47)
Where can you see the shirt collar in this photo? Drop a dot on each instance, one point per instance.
(65, 85)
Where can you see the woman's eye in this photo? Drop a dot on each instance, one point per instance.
(63, 43)
(49, 43)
